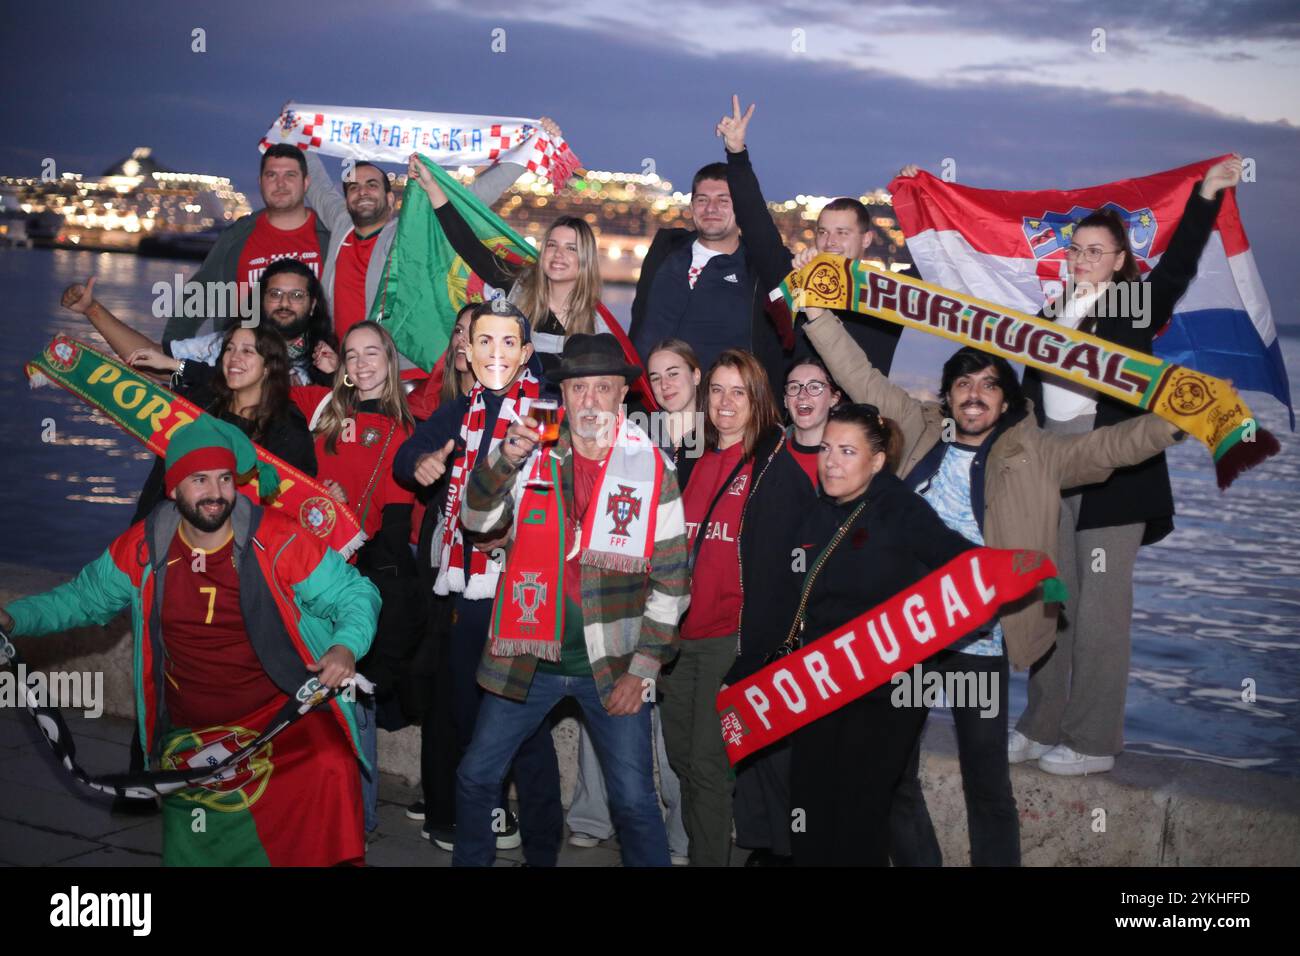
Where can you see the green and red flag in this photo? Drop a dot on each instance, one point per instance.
(150, 414)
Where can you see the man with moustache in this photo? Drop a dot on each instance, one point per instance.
(992, 474)
(291, 297)
(284, 229)
(594, 584)
(233, 609)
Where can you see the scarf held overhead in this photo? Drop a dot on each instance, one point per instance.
(150, 414)
(449, 139)
(1010, 246)
(861, 655)
(1199, 404)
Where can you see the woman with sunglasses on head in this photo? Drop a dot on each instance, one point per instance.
(865, 539)
(558, 293)
(1074, 722)
(784, 487)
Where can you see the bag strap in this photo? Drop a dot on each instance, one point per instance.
(795, 637)
(704, 523)
(370, 485)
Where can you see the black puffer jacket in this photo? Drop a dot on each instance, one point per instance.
(895, 541)
(778, 501)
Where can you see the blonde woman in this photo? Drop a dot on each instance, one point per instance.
(559, 293)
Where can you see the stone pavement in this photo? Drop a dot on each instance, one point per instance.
(46, 819)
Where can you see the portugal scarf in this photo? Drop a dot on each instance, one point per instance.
(480, 582)
(859, 656)
(150, 414)
(617, 534)
(1199, 404)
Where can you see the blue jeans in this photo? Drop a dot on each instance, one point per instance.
(622, 744)
(589, 812)
(365, 711)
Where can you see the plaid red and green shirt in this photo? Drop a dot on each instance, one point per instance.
(629, 620)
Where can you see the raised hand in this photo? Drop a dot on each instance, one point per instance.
(551, 127)
(79, 298)
(325, 358)
(417, 171)
(433, 466)
(1221, 176)
(909, 171)
(732, 128)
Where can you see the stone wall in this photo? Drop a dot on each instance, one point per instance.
(1149, 811)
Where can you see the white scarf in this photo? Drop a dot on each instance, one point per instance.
(449, 139)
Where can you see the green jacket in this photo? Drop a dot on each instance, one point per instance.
(298, 597)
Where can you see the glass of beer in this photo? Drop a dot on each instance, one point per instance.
(547, 413)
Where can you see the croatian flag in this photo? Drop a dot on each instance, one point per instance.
(1009, 248)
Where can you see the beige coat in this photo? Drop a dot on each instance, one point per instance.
(1027, 468)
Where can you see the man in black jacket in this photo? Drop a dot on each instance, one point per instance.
(703, 286)
(843, 227)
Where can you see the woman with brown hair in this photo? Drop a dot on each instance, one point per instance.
(867, 538)
(674, 374)
(741, 417)
(559, 293)
(249, 388)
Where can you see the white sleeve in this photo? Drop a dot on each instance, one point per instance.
(202, 348)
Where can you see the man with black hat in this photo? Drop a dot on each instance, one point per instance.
(594, 585)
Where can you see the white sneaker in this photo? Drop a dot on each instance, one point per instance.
(1021, 748)
(584, 840)
(1064, 762)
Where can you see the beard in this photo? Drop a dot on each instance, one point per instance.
(363, 221)
(289, 324)
(205, 523)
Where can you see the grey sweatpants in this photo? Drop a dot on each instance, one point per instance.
(1077, 691)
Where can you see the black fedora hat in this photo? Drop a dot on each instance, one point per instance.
(598, 354)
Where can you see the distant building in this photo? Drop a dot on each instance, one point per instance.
(134, 198)
(140, 204)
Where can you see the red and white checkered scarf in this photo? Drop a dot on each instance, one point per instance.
(449, 139)
(482, 578)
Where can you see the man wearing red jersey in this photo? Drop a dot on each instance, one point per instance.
(284, 229)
